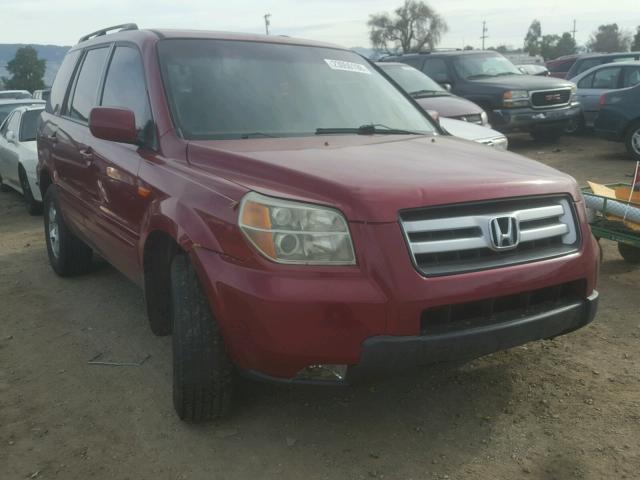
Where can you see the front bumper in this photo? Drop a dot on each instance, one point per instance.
(278, 319)
(385, 355)
(530, 119)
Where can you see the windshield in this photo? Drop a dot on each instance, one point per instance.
(6, 109)
(484, 65)
(29, 125)
(412, 81)
(223, 89)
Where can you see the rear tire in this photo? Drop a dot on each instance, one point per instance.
(630, 253)
(203, 375)
(68, 255)
(632, 140)
(33, 206)
(547, 136)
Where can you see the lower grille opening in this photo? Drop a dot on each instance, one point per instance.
(463, 316)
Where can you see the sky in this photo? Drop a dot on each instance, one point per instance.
(62, 22)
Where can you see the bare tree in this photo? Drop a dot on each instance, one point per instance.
(411, 28)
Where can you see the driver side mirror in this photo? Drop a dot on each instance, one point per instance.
(447, 86)
(114, 124)
(11, 137)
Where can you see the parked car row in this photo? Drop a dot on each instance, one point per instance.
(293, 215)
(569, 66)
(541, 106)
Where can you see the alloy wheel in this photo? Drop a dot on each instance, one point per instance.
(54, 230)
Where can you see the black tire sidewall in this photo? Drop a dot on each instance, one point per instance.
(74, 256)
(202, 371)
(629, 253)
(634, 128)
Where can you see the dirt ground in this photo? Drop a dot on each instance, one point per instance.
(562, 409)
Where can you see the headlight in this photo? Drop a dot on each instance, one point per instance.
(485, 118)
(501, 143)
(515, 98)
(574, 88)
(293, 232)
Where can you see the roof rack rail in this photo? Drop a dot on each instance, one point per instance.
(98, 33)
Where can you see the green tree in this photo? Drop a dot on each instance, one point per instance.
(548, 46)
(411, 28)
(26, 70)
(566, 45)
(609, 38)
(533, 39)
(636, 40)
(554, 46)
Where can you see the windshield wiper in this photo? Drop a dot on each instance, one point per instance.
(245, 136)
(479, 75)
(367, 129)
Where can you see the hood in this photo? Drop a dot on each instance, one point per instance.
(370, 178)
(524, 82)
(467, 130)
(449, 106)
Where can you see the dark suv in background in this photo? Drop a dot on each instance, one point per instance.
(541, 106)
(584, 62)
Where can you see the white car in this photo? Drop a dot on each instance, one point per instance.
(19, 155)
(14, 94)
(475, 133)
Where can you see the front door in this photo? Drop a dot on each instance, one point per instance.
(120, 204)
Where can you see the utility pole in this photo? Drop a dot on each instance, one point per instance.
(267, 16)
(573, 32)
(484, 33)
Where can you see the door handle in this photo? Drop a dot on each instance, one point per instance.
(53, 138)
(87, 156)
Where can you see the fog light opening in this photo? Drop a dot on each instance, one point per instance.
(323, 373)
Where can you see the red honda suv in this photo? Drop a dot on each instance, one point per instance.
(293, 216)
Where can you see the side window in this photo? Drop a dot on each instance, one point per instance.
(631, 77)
(436, 68)
(5, 126)
(587, 64)
(586, 82)
(85, 95)
(607, 78)
(59, 89)
(14, 123)
(125, 85)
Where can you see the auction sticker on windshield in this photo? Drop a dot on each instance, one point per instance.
(347, 66)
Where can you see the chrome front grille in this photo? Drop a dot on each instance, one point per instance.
(464, 237)
(550, 98)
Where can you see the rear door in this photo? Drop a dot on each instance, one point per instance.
(120, 208)
(591, 87)
(72, 156)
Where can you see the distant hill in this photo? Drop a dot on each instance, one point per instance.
(53, 54)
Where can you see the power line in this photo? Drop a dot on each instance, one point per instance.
(573, 32)
(267, 22)
(484, 33)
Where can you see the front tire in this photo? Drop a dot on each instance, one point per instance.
(68, 255)
(632, 140)
(202, 372)
(33, 206)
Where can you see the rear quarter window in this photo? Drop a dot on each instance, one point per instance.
(61, 83)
